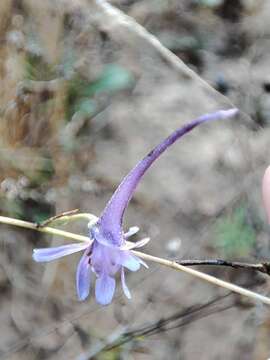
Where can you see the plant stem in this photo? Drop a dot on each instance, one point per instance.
(46, 229)
(261, 267)
(171, 264)
(67, 217)
(206, 277)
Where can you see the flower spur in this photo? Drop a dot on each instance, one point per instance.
(107, 250)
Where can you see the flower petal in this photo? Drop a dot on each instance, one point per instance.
(124, 285)
(132, 231)
(130, 262)
(49, 254)
(105, 238)
(143, 263)
(112, 217)
(138, 244)
(105, 287)
(105, 259)
(83, 277)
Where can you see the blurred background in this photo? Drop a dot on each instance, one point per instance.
(81, 101)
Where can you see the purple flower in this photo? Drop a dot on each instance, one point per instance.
(107, 250)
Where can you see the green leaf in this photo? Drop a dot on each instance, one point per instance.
(41, 216)
(80, 91)
(86, 106)
(113, 78)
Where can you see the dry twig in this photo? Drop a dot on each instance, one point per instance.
(124, 29)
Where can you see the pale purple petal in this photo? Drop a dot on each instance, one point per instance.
(105, 259)
(132, 231)
(83, 277)
(124, 285)
(49, 254)
(99, 258)
(130, 262)
(143, 263)
(138, 244)
(106, 238)
(105, 287)
(112, 216)
(142, 242)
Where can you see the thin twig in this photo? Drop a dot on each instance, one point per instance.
(48, 230)
(261, 267)
(101, 345)
(171, 264)
(125, 29)
(176, 320)
(209, 278)
(56, 217)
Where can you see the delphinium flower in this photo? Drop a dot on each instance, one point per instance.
(107, 250)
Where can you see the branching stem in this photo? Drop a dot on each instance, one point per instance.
(263, 267)
(171, 264)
